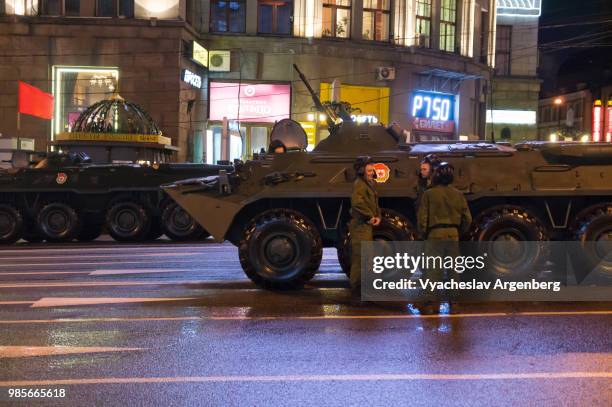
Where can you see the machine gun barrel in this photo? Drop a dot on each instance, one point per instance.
(330, 115)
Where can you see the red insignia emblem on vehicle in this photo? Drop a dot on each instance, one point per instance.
(61, 178)
(382, 172)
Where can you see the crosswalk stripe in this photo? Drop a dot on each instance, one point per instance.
(108, 272)
(47, 302)
(29, 351)
(316, 378)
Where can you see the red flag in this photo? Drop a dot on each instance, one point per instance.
(35, 102)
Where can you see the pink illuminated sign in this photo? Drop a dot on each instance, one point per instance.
(257, 102)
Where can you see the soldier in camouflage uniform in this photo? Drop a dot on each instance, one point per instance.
(365, 214)
(442, 217)
(428, 164)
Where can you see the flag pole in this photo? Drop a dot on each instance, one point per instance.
(18, 129)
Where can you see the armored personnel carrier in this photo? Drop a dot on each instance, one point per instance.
(281, 210)
(65, 197)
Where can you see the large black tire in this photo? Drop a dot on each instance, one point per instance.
(58, 222)
(11, 224)
(593, 228)
(179, 226)
(511, 226)
(128, 221)
(393, 227)
(281, 249)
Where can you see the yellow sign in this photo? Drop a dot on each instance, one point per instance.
(200, 54)
(370, 100)
(134, 138)
(311, 132)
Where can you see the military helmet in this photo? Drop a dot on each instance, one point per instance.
(443, 174)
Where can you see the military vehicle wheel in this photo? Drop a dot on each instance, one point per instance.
(58, 222)
(281, 249)
(505, 233)
(91, 230)
(393, 227)
(593, 228)
(179, 226)
(11, 224)
(128, 221)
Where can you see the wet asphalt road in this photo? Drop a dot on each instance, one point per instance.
(168, 324)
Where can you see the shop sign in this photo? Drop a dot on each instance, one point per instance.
(258, 103)
(597, 108)
(192, 79)
(364, 118)
(433, 111)
(199, 54)
(433, 125)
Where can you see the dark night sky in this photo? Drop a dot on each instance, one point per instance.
(574, 54)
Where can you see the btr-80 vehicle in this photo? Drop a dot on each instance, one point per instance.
(281, 210)
(65, 197)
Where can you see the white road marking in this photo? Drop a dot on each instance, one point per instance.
(121, 283)
(29, 351)
(95, 263)
(42, 273)
(72, 301)
(106, 256)
(292, 318)
(107, 272)
(118, 248)
(314, 378)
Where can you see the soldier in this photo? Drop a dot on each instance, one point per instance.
(428, 164)
(277, 147)
(443, 216)
(365, 213)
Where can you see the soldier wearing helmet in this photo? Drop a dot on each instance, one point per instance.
(443, 216)
(428, 164)
(365, 214)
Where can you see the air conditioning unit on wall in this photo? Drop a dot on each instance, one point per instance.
(219, 60)
(385, 73)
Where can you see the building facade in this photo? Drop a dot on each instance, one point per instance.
(217, 75)
(583, 115)
(513, 101)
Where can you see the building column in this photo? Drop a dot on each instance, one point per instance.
(435, 24)
(251, 17)
(357, 20)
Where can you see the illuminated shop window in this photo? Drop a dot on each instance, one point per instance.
(228, 16)
(448, 25)
(423, 23)
(337, 18)
(76, 88)
(376, 19)
(503, 50)
(274, 17)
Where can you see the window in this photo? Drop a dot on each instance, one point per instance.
(503, 49)
(274, 17)
(189, 11)
(52, 8)
(376, 19)
(228, 16)
(105, 8)
(448, 25)
(126, 8)
(423, 23)
(73, 8)
(337, 18)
